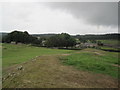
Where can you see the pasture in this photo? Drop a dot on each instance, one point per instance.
(94, 60)
(55, 68)
(16, 54)
(110, 42)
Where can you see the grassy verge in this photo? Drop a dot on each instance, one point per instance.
(94, 60)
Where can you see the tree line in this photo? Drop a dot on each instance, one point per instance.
(58, 40)
(55, 40)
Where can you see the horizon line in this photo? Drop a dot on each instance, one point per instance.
(71, 34)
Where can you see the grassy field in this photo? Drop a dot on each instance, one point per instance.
(94, 60)
(48, 72)
(16, 54)
(111, 42)
(109, 48)
(55, 68)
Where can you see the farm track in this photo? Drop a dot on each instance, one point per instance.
(48, 72)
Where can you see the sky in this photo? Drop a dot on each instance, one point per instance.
(57, 17)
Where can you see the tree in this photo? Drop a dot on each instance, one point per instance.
(100, 43)
(61, 40)
(93, 41)
(22, 37)
(82, 40)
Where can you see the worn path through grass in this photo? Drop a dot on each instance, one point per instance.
(48, 72)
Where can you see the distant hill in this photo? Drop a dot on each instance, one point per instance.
(99, 37)
(87, 36)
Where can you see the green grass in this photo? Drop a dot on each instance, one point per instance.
(16, 54)
(94, 60)
(109, 48)
(111, 42)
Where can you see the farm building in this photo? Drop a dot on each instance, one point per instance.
(89, 45)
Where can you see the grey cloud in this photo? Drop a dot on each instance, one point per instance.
(32, 17)
(98, 13)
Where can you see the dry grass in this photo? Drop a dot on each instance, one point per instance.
(48, 72)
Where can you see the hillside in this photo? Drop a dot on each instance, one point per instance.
(113, 36)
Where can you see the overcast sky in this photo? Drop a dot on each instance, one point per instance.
(58, 17)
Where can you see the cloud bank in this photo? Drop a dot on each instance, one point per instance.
(57, 17)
